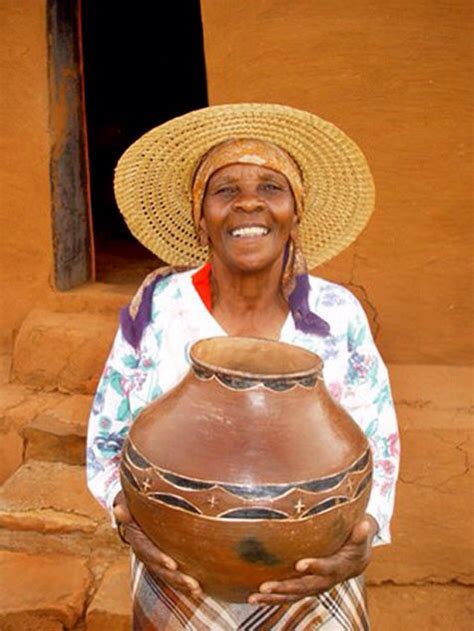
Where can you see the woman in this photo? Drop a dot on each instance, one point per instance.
(257, 192)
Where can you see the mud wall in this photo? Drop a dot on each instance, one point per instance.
(25, 205)
(396, 77)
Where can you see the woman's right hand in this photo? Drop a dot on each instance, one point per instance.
(154, 559)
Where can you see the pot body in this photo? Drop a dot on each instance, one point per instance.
(239, 474)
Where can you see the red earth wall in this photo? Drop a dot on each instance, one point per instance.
(397, 77)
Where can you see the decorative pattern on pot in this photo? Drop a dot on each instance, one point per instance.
(219, 500)
(278, 384)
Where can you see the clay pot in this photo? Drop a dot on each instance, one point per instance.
(246, 466)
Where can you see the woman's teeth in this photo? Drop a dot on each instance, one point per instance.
(250, 231)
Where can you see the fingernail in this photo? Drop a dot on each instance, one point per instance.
(171, 565)
(302, 566)
(252, 600)
(266, 588)
(196, 593)
(192, 584)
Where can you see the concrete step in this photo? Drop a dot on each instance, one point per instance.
(110, 610)
(63, 351)
(46, 507)
(42, 592)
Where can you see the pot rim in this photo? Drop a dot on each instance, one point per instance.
(316, 369)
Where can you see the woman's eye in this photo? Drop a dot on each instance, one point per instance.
(225, 190)
(272, 187)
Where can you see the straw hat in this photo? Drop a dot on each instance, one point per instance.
(153, 178)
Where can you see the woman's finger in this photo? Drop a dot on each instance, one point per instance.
(145, 550)
(361, 532)
(272, 599)
(304, 586)
(155, 559)
(122, 514)
(319, 567)
(181, 581)
(342, 565)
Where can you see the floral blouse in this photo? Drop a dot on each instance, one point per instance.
(354, 373)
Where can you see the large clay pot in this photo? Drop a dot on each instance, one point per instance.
(246, 466)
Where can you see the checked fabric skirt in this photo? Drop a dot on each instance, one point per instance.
(158, 607)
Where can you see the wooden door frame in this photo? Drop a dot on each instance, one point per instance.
(73, 243)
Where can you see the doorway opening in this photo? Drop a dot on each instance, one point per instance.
(143, 65)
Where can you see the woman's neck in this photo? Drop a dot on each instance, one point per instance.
(248, 303)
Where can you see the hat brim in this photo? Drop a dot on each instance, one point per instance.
(153, 178)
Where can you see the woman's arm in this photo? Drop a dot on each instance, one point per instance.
(366, 396)
(110, 420)
(121, 394)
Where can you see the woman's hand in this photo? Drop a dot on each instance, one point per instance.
(320, 575)
(155, 560)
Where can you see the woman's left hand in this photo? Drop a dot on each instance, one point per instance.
(320, 575)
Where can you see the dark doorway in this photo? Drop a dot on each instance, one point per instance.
(143, 64)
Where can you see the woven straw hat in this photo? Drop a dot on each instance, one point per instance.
(153, 178)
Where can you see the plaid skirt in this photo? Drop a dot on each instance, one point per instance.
(159, 607)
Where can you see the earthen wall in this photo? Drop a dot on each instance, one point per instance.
(397, 77)
(25, 203)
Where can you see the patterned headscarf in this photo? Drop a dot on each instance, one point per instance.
(245, 151)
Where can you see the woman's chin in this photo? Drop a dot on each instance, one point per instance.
(253, 264)
(248, 260)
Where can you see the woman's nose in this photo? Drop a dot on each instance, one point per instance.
(248, 202)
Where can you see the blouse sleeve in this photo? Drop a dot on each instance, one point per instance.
(366, 396)
(110, 420)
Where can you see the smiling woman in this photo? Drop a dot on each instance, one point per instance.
(245, 196)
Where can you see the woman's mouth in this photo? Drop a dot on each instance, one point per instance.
(250, 231)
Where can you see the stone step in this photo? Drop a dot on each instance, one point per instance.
(18, 407)
(92, 298)
(42, 592)
(5, 365)
(110, 610)
(46, 507)
(58, 433)
(63, 351)
(41, 426)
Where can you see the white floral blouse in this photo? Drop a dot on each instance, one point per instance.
(354, 373)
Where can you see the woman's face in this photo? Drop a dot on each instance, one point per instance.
(248, 216)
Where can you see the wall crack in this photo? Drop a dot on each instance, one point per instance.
(363, 296)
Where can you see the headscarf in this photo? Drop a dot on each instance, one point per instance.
(245, 151)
